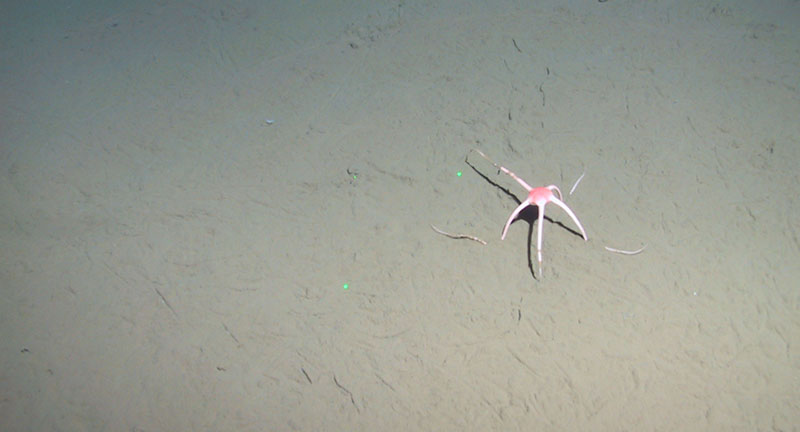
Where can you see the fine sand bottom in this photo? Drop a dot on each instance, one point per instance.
(219, 217)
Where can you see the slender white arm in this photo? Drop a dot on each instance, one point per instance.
(561, 204)
(513, 216)
(539, 237)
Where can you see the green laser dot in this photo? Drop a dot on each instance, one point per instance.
(458, 173)
(345, 286)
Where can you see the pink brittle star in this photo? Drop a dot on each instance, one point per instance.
(538, 196)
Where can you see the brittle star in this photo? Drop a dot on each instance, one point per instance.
(538, 196)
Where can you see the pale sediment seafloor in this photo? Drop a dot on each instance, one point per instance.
(186, 189)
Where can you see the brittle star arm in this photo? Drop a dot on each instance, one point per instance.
(539, 236)
(519, 180)
(502, 168)
(561, 204)
(513, 216)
